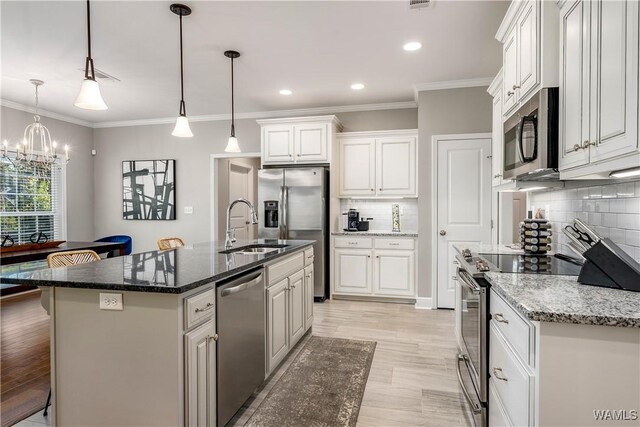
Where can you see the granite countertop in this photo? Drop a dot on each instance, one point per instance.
(376, 233)
(171, 271)
(551, 298)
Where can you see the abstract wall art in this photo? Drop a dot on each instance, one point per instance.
(148, 189)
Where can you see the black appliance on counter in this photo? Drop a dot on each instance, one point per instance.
(352, 221)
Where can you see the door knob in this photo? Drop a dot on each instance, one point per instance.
(443, 232)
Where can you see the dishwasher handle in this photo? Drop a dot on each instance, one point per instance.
(245, 283)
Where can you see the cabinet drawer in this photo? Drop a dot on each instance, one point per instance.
(510, 379)
(407, 244)
(308, 257)
(497, 414)
(354, 242)
(286, 267)
(514, 327)
(199, 307)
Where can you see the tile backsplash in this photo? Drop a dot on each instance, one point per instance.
(380, 211)
(612, 209)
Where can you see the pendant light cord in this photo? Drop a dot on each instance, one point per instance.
(183, 109)
(233, 128)
(89, 72)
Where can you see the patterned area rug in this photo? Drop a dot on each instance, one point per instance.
(323, 386)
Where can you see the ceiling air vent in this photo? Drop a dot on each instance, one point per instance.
(417, 4)
(101, 75)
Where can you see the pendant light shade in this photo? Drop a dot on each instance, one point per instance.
(232, 144)
(89, 97)
(182, 128)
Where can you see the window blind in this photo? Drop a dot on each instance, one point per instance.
(30, 201)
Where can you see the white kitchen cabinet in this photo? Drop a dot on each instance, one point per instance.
(394, 273)
(497, 134)
(277, 323)
(298, 140)
(296, 307)
(598, 87)
(527, 30)
(378, 164)
(200, 375)
(308, 297)
(353, 271)
(396, 166)
(510, 70)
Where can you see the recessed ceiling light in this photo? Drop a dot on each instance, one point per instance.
(285, 92)
(412, 46)
(357, 86)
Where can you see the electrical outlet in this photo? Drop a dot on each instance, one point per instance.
(111, 301)
(188, 210)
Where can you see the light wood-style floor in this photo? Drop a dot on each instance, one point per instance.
(413, 379)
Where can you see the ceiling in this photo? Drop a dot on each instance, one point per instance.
(316, 49)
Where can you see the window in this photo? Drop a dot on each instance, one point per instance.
(31, 201)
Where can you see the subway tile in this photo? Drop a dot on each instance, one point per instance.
(576, 205)
(632, 205)
(609, 191)
(629, 221)
(637, 186)
(594, 218)
(617, 235)
(626, 189)
(595, 192)
(617, 205)
(633, 238)
(602, 205)
(609, 219)
(589, 205)
(603, 232)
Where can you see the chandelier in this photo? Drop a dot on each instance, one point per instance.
(37, 149)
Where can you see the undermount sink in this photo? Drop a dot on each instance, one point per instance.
(259, 249)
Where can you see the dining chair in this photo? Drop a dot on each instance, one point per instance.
(65, 259)
(170, 243)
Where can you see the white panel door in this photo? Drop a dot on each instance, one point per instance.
(311, 143)
(396, 166)
(464, 204)
(394, 273)
(510, 72)
(358, 167)
(528, 49)
(352, 271)
(308, 297)
(200, 376)
(277, 144)
(296, 307)
(574, 84)
(240, 179)
(277, 323)
(496, 142)
(614, 83)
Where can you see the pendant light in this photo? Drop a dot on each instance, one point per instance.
(182, 128)
(232, 145)
(89, 97)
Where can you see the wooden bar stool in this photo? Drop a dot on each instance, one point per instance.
(170, 243)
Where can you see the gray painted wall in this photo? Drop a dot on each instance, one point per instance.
(192, 169)
(450, 111)
(80, 206)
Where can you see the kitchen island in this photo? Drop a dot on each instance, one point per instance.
(135, 339)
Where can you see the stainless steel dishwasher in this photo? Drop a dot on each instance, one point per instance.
(241, 341)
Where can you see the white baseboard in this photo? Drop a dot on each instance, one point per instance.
(424, 303)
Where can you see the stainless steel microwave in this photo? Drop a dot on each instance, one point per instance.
(531, 137)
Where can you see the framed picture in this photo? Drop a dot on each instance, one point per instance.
(149, 189)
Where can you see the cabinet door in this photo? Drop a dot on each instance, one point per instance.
(574, 83)
(311, 143)
(614, 83)
(277, 144)
(357, 167)
(527, 26)
(296, 307)
(396, 166)
(496, 142)
(277, 323)
(308, 297)
(394, 273)
(352, 271)
(200, 376)
(510, 72)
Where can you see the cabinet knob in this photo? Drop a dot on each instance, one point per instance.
(516, 87)
(443, 232)
(576, 147)
(213, 337)
(379, 189)
(497, 372)
(500, 318)
(372, 189)
(509, 93)
(298, 155)
(586, 144)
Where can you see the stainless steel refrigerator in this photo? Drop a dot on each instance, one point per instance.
(293, 204)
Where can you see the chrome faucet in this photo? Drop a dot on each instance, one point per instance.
(230, 239)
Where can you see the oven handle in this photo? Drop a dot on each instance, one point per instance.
(468, 281)
(475, 408)
(523, 121)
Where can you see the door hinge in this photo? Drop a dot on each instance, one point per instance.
(492, 224)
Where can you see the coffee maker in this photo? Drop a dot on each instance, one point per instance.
(352, 220)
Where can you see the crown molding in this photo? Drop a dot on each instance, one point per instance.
(450, 84)
(303, 119)
(266, 114)
(45, 113)
(496, 84)
(377, 133)
(509, 19)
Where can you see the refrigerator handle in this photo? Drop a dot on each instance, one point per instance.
(285, 201)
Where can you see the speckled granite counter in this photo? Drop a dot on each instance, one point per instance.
(562, 299)
(375, 233)
(171, 271)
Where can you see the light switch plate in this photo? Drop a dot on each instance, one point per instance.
(188, 210)
(111, 301)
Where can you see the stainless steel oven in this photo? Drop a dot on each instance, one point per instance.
(472, 366)
(531, 137)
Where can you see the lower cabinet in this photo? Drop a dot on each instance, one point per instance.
(394, 273)
(296, 307)
(353, 271)
(200, 375)
(308, 297)
(277, 323)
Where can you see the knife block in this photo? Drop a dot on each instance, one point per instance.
(609, 266)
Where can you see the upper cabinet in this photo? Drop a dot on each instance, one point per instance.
(298, 140)
(378, 164)
(598, 87)
(529, 37)
(497, 133)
